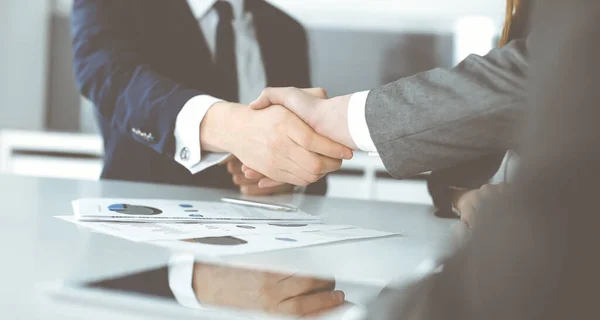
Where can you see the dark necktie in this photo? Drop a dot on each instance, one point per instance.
(225, 53)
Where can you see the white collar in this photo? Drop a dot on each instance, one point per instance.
(201, 7)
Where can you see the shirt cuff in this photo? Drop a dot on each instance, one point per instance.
(357, 122)
(188, 151)
(181, 272)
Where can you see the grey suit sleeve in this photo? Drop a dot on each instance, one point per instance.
(443, 117)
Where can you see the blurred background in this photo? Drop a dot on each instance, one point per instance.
(48, 129)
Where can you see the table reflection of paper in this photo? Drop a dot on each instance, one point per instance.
(252, 243)
(155, 210)
(173, 231)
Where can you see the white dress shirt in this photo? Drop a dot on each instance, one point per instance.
(251, 76)
(357, 122)
(181, 272)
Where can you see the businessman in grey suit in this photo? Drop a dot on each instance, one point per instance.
(535, 253)
(433, 120)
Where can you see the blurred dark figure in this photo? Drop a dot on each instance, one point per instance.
(449, 187)
(533, 254)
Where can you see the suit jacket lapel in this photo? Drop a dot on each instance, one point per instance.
(283, 45)
(187, 17)
(264, 37)
(181, 14)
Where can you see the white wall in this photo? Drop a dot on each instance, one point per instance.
(377, 14)
(392, 15)
(23, 63)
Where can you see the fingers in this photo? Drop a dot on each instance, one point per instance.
(263, 182)
(268, 183)
(471, 201)
(305, 137)
(310, 304)
(287, 171)
(231, 157)
(234, 166)
(295, 175)
(280, 168)
(295, 285)
(464, 202)
(255, 190)
(303, 164)
(294, 153)
(474, 204)
(486, 191)
(252, 174)
(241, 180)
(314, 164)
(249, 182)
(467, 215)
(295, 160)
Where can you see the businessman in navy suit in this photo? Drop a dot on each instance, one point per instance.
(166, 78)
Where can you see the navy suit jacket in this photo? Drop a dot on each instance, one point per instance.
(140, 61)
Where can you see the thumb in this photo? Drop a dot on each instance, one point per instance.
(268, 183)
(277, 96)
(269, 97)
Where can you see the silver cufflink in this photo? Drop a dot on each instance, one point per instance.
(185, 154)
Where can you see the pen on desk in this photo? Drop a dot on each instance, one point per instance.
(261, 205)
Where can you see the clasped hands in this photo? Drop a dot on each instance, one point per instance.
(287, 137)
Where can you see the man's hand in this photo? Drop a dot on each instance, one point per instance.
(329, 117)
(468, 202)
(274, 142)
(264, 291)
(250, 187)
(266, 183)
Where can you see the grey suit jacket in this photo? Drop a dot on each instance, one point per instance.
(440, 118)
(534, 252)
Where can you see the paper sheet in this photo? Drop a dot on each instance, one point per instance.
(209, 228)
(172, 231)
(154, 210)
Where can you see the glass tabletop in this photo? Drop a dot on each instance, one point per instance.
(231, 291)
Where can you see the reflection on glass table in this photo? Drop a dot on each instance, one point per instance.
(209, 287)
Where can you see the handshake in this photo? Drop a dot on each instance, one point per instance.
(287, 137)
